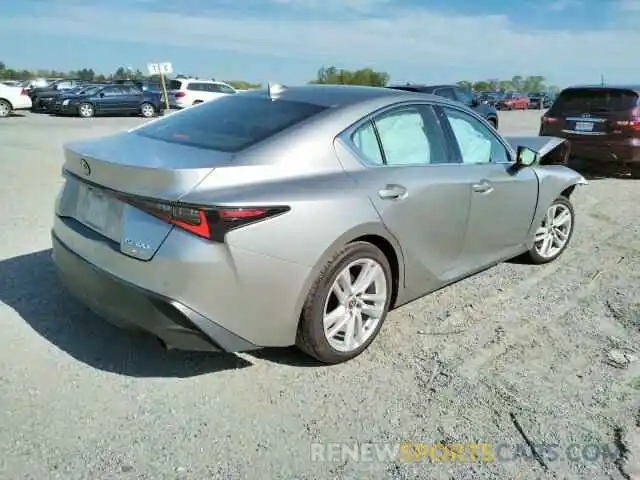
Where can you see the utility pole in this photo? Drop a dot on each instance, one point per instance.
(602, 79)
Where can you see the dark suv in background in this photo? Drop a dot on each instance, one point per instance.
(453, 92)
(602, 124)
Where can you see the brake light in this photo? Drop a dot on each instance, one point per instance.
(546, 120)
(180, 94)
(635, 119)
(212, 223)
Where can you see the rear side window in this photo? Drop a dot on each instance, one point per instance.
(174, 85)
(594, 100)
(231, 123)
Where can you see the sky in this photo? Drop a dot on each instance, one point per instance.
(286, 41)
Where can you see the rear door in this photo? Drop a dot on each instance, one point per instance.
(419, 194)
(132, 99)
(584, 113)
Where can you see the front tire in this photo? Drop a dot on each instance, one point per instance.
(554, 234)
(5, 109)
(86, 110)
(347, 304)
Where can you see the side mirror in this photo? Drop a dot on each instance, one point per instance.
(525, 157)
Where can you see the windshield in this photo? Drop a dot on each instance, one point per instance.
(595, 100)
(231, 123)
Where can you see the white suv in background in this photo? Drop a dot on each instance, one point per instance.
(13, 98)
(191, 91)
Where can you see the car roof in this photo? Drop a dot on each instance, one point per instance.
(425, 86)
(338, 95)
(635, 88)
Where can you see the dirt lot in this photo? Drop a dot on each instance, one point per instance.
(517, 354)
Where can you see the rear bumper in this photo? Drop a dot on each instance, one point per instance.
(23, 102)
(128, 306)
(598, 150)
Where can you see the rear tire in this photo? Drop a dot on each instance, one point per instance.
(86, 110)
(147, 110)
(337, 324)
(554, 234)
(5, 108)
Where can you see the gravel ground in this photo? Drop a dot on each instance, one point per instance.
(514, 355)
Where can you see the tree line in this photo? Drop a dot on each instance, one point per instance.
(368, 76)
(325, 75)
(90, 75)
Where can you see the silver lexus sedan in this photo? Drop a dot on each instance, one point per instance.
(300, 215)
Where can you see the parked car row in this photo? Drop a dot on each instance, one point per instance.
(516, 100)
(85, 99)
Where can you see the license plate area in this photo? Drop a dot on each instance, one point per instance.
(584, 126)
(99, 211)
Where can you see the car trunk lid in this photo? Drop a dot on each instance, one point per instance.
(102, 175)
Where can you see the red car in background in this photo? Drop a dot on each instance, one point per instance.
(513, 101)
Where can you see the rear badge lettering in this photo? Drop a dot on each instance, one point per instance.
(137, 244)
(85, 167)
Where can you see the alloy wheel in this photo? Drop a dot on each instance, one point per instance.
(5, 109)
(147, 110)
(86, 110)
(554, 233)
(355, 305)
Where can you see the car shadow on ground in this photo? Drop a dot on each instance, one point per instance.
(29, 285)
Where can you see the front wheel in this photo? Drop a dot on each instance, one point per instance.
(147, 110)
(86, 110)
(5, 109)
(346, 305)
(553, 235)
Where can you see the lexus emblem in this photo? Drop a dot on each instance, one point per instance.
(85, 167)
(586, 115)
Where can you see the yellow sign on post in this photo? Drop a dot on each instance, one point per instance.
(161, 69)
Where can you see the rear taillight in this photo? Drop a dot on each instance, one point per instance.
(634, 120)
(634, 123)
(24, 92)
(180, 94)
(547, 120)
(212, 223)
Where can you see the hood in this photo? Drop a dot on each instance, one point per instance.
(543, 146)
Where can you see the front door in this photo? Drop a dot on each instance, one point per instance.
(110, 100)
(503, 200)
(420, 196)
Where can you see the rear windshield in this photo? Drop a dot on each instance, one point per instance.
(231, 123)
(594, 100)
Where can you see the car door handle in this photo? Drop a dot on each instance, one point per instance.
(393, 192)
(483, 187)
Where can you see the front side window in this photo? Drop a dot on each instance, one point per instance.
(226, 89)
(476, 143)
